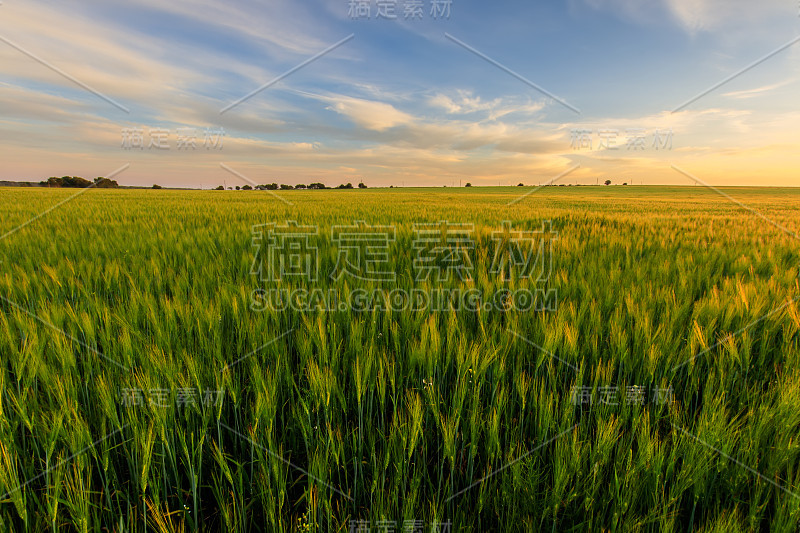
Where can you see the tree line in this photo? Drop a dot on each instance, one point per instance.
(77, 182)
(285, 187)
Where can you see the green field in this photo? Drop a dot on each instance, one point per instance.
(143, 391)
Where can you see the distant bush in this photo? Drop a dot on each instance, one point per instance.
(247, 188)
(362, 185)
(299, 186)
(468, 184)
(77, 182)
(156, 186)
(220, 188)
(285, 187)
(105, 183)
(317, 186)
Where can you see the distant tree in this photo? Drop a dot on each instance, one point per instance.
(74, 182)
(608, 182)
(271, 187)
(105, 183)
(156, 186)
(299, 186)
(362, 185)
(220, 188)
(247, 188)
(345, 186)
(230, 188)
(520, 185)
(316, 186)
(625, 183)
(285, 187)
(237, 187)
(468, 184)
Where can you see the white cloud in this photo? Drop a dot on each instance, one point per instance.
(369, 114)
(466, 103)
(286, 25)
(697, 15)
(376, 116)
(758, 91)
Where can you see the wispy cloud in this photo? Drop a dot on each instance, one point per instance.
(696, 15)
(368, 114)
(758, 91)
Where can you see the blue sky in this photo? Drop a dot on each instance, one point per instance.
(400, 103)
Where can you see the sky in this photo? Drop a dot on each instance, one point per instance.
(204, 93)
